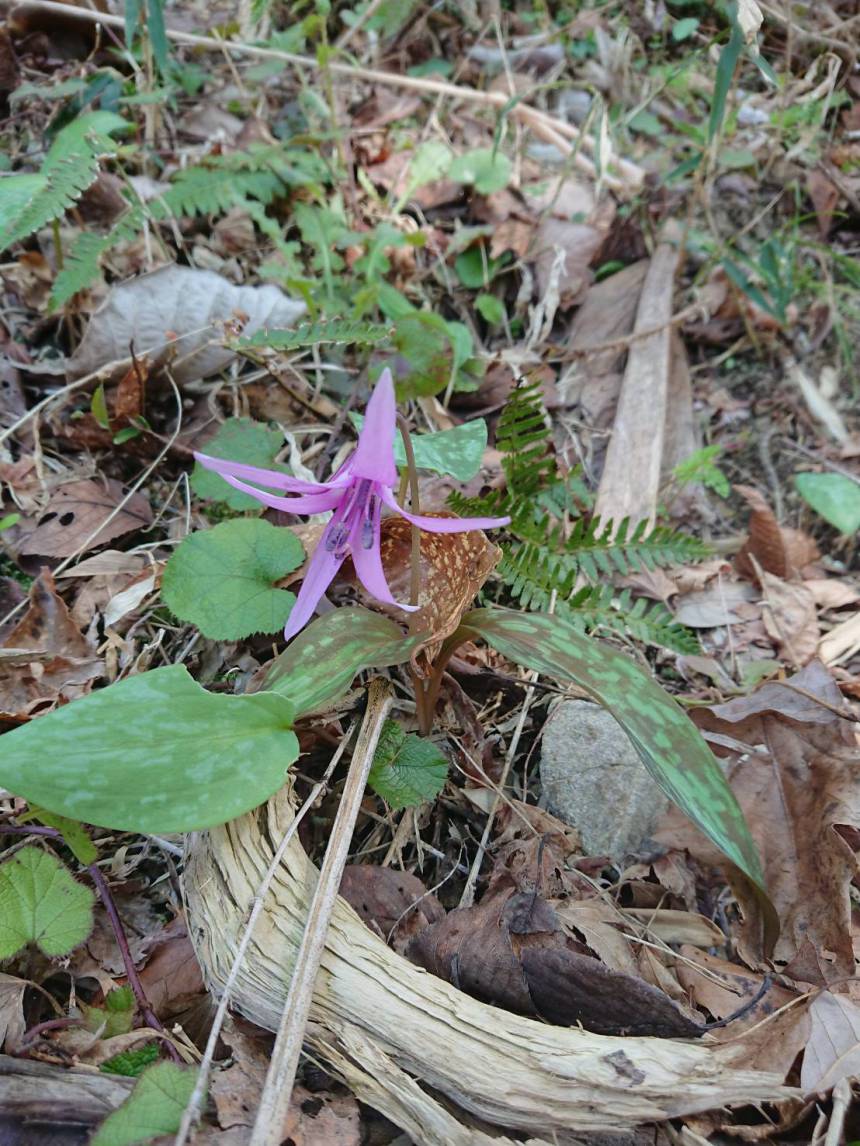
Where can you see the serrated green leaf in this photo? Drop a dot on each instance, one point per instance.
(834, 496)
(406, 769)
(155, 1107)
(487, 169)
(348, 332)
(153, 753)
(670, 745)
(238, 440)
(458, 451)
(223, 579)
(116, 1017)
(324, 659)
(132, 1063)
(41, 903)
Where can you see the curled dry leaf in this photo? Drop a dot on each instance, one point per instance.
(44, 660)
(801, 783)
(454, 566)
(176, 314)
(777, 549)
(82, 515)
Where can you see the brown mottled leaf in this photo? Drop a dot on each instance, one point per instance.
(49, 660)
(454, 566)
(81, 515)
(778, 549)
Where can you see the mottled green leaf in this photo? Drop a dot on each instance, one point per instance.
(670, 745)
(41, 903)
(324, 659)
(222, 580)
(238, 440)
(835, 496)
(424, 341)
(153, 753)
(155, 1107)
(458, 451)
(407, 769)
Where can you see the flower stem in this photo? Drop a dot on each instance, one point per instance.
(415, 571)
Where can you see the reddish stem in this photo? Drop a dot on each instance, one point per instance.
(134, 982)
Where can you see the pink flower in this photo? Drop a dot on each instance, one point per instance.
(356, 494)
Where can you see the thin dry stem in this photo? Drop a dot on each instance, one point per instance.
(275, 1099)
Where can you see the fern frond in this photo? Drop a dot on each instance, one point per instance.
(82, 266)
(523, 438)
(210, 190)
(57, 190)
(337, 330)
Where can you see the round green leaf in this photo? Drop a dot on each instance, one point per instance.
(487, 169)
(153, 753)
(41, 903)
(222, 579)
(490, 308)
(239, 440)
(406, 769)
(835, 496)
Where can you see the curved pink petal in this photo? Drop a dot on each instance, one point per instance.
(374, 455)
(317, 502)
(442, 524)
(319, 575)
(271, 478)
(368, 562)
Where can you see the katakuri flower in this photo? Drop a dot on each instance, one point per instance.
(356, 493)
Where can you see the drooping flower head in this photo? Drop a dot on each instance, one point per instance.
(356, 493)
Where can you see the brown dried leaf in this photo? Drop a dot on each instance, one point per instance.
(828, 593)
(49, 659)
(81, 515)
(12, 1022)
(833, 1050)
(390, 901)
(781, 551)
(172, 977)
(825, 197)
(319, 1119)
(790, 618)
(797, 791)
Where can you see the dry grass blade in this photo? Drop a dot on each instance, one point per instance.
(275, 1099)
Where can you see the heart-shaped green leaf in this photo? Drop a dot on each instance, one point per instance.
(222, 579)
(670, 745)
(153, 753)
(154, 1108)
(239, 440)
(323, 660)
(41, 903)
(835, 496)
(407, 769)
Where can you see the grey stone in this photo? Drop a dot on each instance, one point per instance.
(593, 778)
